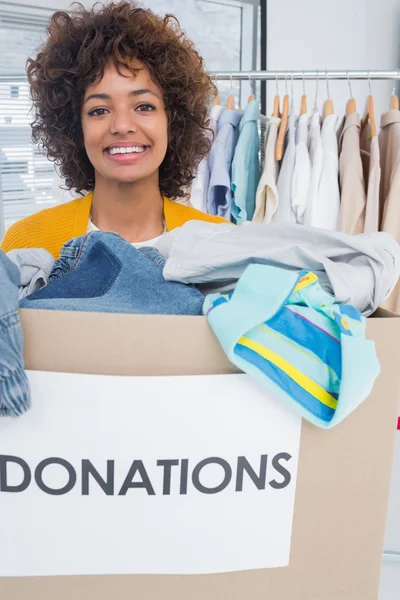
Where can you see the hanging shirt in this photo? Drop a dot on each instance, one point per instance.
(390, 187)
(302, 170)
(199, 188)
(374, 180)
(283, 213)
(328, 205)
(246, 166)
(352, 185)
(219, 196)
(370, 157)
(315, 152)
(267, 192)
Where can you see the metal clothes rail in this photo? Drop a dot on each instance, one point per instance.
(304, 75)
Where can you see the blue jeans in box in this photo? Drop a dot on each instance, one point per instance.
(14, 387)
(101, 272)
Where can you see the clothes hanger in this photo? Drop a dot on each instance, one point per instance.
(316, 93)
(217, 100)
(252, 96)
(230, 103)
(303, 106)
(276, 110)
(351, 103)
(394, 100)
(283, 125)
(370, 115)
(328, 104)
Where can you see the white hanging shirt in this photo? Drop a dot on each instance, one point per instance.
(267, 192)
(283, 213)
(315, 152)
(302, 170)
(152, 242)
(328, 204)
(199, 188)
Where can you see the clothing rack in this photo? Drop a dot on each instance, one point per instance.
(275, 75)
(304, 75)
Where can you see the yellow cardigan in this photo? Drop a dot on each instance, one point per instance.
(52, 227)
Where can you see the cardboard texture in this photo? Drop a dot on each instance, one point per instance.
(343, 479)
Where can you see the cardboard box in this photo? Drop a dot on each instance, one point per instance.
(343, 478)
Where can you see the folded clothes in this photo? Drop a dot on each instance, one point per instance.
(14, 386)
(101, 272)
(360, 270)
(282, 328)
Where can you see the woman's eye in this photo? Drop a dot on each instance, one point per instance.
(96, 112)
(146, 107)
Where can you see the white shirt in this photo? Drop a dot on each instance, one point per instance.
(152, 242)
(315, 153)
(199, 189)
(302, 170)
(284, 212)
(328, 205)
(267, 192)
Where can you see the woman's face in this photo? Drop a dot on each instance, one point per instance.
(125, 125)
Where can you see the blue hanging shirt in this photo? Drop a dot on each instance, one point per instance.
(246, 166)
(219, 195)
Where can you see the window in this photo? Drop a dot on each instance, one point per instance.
(25, 173)
(224, 32)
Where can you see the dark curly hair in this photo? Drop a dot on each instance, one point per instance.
(78, 48)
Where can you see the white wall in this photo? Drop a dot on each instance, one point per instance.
(342, 34)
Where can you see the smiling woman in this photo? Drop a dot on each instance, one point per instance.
(120, 98)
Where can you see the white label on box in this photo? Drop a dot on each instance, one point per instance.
(147, 475)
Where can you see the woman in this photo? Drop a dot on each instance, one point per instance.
(121, 107)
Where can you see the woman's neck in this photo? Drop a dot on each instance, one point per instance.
(134, 211)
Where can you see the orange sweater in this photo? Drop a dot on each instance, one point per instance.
(52, 227)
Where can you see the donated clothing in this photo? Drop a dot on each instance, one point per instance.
(14, 387)
(246, 166)
(302, 170)
(53, 227)
(371, 161)
(219, 197)
(101, 272)
(35, 266)
(351, 175)
(328, 204)
(281, 327)
(199, 189)
(315, 151)
(267, 192)
(284, 213)
(360, 270)
(390, 186)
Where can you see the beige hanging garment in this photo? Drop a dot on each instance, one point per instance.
(352, 186)
(370, 156)
(390, 187)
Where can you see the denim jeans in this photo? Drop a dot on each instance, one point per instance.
(101, 272)
(14, 387)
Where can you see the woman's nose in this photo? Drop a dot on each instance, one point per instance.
(124, 122)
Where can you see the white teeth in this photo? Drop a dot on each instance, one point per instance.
(125, 150)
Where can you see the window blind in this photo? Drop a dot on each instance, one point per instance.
(26, 176)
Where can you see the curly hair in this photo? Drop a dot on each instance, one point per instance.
(77, 50)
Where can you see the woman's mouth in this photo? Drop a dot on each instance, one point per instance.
(126, 154)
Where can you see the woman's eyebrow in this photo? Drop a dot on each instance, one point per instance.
(140, 92)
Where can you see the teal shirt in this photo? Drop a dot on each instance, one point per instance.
(246, 166)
